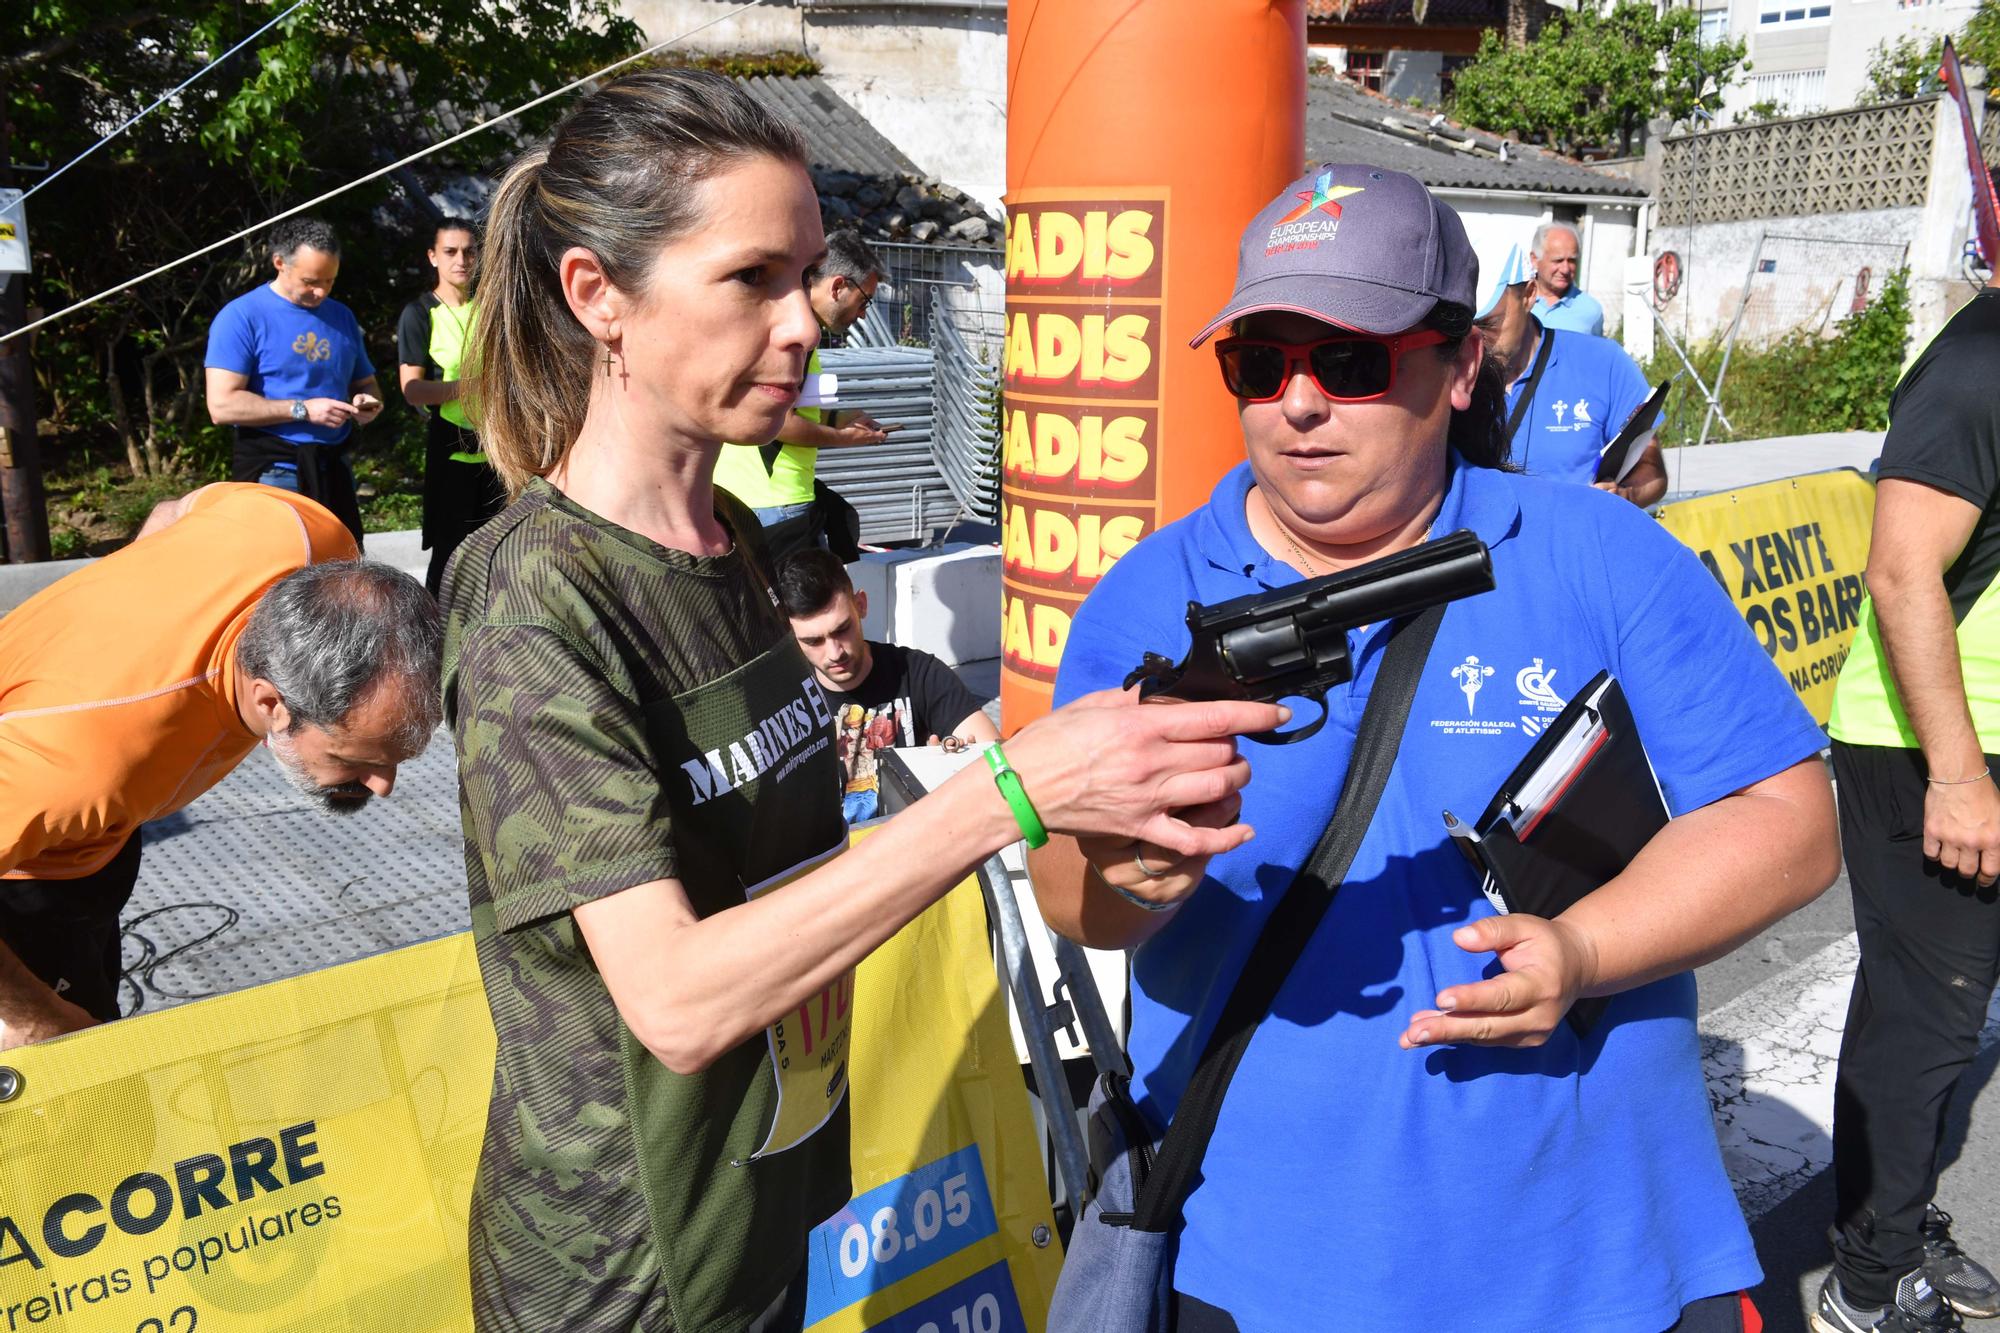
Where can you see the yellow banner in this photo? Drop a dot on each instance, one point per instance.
(949, 1189)
(292, 1157)
(1791, 555)
(298, 1157)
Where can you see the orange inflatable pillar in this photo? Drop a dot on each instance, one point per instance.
(1141, 136)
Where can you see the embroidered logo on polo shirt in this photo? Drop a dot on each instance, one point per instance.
(1577, 412)
(1471, 676)
(1536, 686)
(1534, 683)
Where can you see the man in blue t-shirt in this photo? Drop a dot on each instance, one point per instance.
(1559, 302)
(1568, 394)
(287, 368)
(1415, 1138)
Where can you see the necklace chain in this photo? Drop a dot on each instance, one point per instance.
(1312, 570)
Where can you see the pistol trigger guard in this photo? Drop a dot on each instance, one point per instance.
(1298, 733)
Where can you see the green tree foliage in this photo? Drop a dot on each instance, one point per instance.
(1905, 67)
(340, 88)
(1594, 76)
(1908, 65)
(1804, 383)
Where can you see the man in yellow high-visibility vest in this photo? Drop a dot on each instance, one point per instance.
(776, 480)
(460, 490)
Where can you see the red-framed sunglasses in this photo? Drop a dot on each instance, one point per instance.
(1347, 367)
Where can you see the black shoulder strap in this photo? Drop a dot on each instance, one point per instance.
(1534, 377)
(1291, 925)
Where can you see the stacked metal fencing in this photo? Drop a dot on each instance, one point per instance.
(941, 463)
(926, 285)
(968, 419)
(896, 485)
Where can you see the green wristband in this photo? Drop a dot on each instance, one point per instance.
(1009, 783)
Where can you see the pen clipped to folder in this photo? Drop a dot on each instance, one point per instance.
(1574, 812)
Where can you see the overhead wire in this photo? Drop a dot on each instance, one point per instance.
(162, 101)
(377, 174)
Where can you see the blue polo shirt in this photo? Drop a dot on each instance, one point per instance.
(1350, 1182)
(1578, 311)
(1588, 391)
(289, 351)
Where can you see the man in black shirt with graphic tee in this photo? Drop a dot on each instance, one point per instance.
(881, 695)
(1916, 732)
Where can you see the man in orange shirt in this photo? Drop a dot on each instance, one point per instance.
(239, 616)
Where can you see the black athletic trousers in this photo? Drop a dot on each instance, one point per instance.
(66, 931)
(1930, 952)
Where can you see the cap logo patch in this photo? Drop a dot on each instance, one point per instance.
(1314, 221)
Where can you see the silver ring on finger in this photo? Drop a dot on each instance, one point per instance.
(1139, 860)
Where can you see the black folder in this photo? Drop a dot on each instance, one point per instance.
(1624, 450)
(1572, 814)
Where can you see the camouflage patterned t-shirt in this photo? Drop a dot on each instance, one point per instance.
(627, 713)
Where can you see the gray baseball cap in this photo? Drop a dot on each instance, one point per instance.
(1358, 246)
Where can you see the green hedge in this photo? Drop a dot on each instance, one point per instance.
(1802, 384)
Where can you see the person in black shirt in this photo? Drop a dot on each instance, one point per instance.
(881, 695)
(460, 491)
(1916, 747)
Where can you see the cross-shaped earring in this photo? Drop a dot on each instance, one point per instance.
(607, 360)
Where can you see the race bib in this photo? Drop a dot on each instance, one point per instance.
(808, 1047)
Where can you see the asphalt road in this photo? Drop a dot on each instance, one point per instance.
(1791, 1238)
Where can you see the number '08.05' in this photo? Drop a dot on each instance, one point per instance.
(883, 1237)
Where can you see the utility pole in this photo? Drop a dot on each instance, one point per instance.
(23, 505)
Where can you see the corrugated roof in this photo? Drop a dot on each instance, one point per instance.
(1345, 123)
(1439, 13)
(863, 179)
(837, 136)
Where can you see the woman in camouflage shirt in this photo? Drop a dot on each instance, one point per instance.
(666, 933)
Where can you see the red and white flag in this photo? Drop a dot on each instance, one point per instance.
(1985, 206)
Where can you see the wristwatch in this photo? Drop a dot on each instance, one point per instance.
(298, 409)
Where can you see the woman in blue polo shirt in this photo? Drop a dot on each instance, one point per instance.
(1414, 1138)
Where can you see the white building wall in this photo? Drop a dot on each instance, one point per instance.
(933, 81)
(763, 28)
(1859, 25)
(1822, 65)
(1409, 76)
(1715, 262)
(1413, 76)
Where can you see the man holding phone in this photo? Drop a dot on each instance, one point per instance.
(287, 368)
(776, 480)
